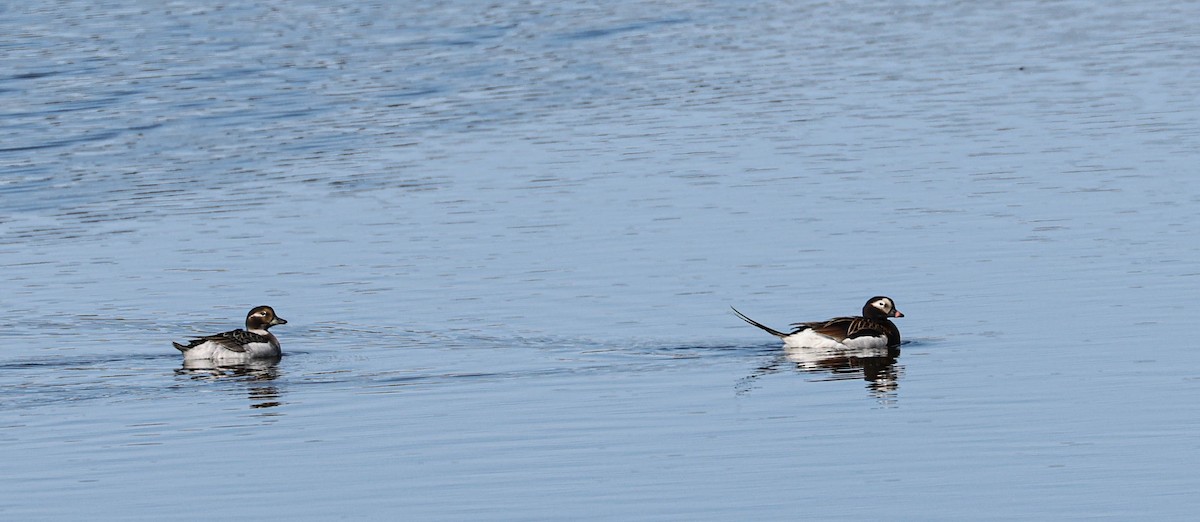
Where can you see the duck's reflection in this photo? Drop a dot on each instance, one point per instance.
(877, 366)
(257, 374)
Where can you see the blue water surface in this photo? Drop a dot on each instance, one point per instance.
(506, 237)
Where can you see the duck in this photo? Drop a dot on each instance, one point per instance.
(872, 330)
(255, 342)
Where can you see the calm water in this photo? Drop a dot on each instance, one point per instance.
(506, 237)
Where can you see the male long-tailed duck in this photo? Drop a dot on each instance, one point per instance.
(255, 342)
(870, 330)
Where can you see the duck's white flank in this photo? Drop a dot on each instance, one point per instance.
(811, 339)
(212, 350)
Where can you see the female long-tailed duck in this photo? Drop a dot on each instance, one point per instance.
(255, 342)
(870, 330)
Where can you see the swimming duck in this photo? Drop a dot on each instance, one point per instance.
(870, 330)
(255, 342)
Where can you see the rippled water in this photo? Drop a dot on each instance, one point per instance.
(506, 238)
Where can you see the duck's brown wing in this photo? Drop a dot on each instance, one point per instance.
(233, 341)
(842, 328)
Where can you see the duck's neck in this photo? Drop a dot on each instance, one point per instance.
(270, 336)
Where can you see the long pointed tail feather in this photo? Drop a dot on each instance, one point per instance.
(764, 327)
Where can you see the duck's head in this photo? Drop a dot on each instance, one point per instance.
(262, 318)
(881, 306)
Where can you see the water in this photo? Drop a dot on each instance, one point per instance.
(506, 237)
